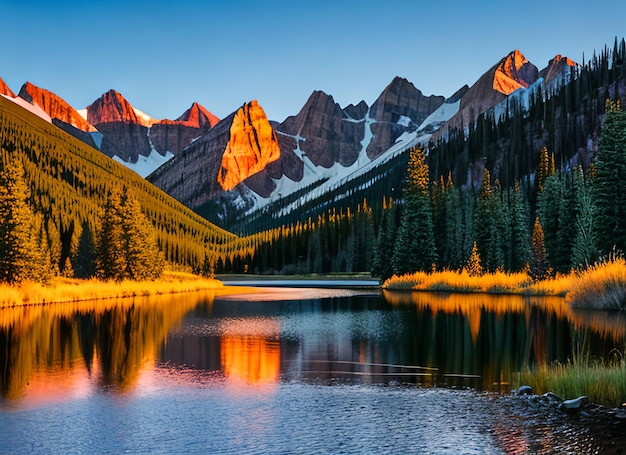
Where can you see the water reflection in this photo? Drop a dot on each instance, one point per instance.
(253, 341)
(108, 341)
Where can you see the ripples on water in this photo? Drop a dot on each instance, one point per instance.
(278, 371)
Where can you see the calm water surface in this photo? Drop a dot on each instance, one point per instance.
(284, 370)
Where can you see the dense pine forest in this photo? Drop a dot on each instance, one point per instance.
(67, 209)
(528, 191)
(539, 188)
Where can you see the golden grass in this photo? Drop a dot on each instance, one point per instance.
(601, 286)
(73, 290)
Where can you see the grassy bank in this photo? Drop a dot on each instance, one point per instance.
(72, 290)
(603, 383)
(601, 286)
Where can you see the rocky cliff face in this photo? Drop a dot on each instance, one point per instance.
(128, 132)
(55, 106)
(511, 73)
(325, 133)
(558, 66)
(400, 107)
(514, 72)
(251, 147)
(112, 107)
(173, 135)
(5, 90)
(243, 147)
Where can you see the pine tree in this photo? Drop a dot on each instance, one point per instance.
(609, 184)
(126, 247)
(415, 244)
(84, 261)
(584, 249)
(473, 265)
(539, 264)
(488, 225)
(22, 257)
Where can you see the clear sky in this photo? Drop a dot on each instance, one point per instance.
(162, 56)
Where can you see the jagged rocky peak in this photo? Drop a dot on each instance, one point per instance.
(252, 145)
(329, 134)
(513, 72)
(197, 116)
(357, 112)
(5, 90)
(55, 106)
(113, 107)
(402, 99)
(557, 66)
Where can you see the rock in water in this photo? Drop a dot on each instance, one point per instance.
(575, 403)
(524, 390)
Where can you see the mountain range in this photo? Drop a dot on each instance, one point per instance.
(243, 163)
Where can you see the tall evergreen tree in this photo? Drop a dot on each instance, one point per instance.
(488, 225)
(584, 249)
(22, 255)
(126, 246)
(385, 241)
(609, 184)
(539, 266)
(415, 244)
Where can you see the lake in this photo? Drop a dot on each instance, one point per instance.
(286, 370)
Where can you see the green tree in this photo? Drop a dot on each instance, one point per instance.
(539, 266)
(381, 264)
(22, 254)
(584, 248)
(415, 244)
(84, 261)
(126, 247)
(490, 226)
(609, 184)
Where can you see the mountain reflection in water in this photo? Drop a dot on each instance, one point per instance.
(254, 340)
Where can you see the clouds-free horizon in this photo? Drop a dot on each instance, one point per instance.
(163, 56)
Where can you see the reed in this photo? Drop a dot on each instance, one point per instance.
(73, 290)
(602, 382)
(601, 286)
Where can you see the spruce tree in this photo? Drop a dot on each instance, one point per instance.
(609, 183)
(22, 256)
(584, 249)
(415, 244)
(539, 266)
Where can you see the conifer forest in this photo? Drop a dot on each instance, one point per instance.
(541, 188)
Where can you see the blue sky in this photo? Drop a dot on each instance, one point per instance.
(162, 56)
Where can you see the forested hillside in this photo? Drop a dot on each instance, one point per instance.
(60, 196)
(527, 190)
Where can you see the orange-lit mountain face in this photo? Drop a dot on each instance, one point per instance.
(514, 72)
(251, 147)
(5, 90)
(558, 66)
(197, 116)
(112, 107)
(55, 106)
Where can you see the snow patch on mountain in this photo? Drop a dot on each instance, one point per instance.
(33, 108)
(440, 116)
(144, 118)
(146, 165)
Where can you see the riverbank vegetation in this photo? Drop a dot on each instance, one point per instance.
(601, 286)
(64, 290)
(602, 381)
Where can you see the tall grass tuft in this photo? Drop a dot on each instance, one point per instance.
(601, 286)
(74, 290)
(603, 382)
